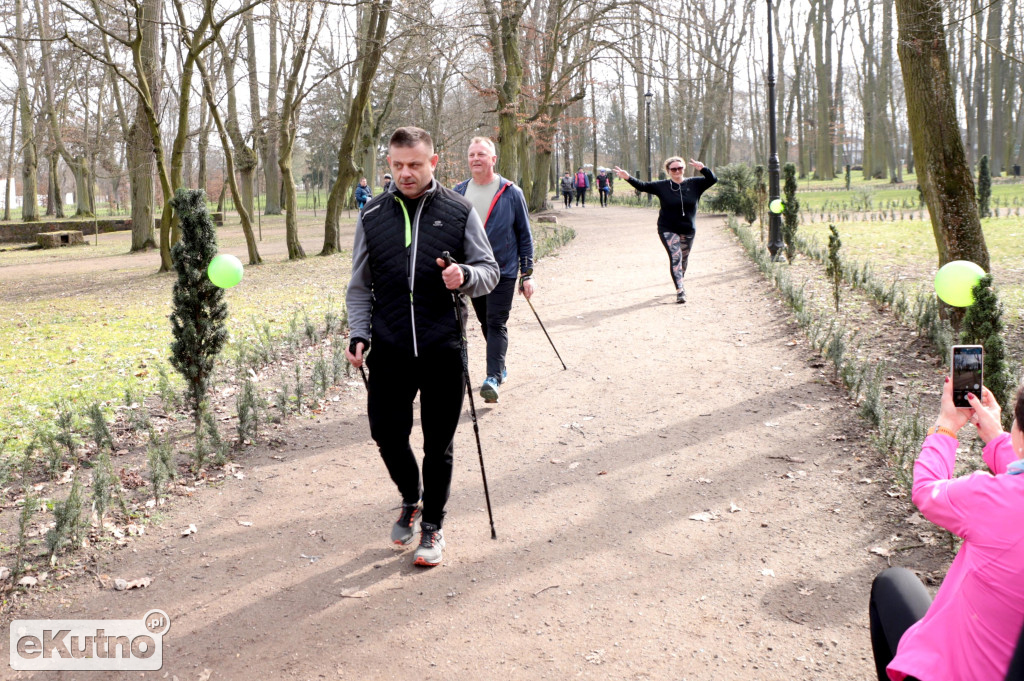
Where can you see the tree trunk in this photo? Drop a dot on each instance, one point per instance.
(30, 160)
(980, 82)
(370, 51)
(9, 175)
(271, 127)
(996, 77)
(503, 17)
(203, 149)
(948, 186)
(823, 163)
(141, 156)
(245, 160)
(55, 202)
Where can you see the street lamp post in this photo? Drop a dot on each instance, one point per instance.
(775, 243)
(648, 96)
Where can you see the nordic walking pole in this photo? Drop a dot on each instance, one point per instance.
(564, 368)
(447, 258)
(366, 383)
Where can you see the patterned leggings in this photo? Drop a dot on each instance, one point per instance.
(678, 248)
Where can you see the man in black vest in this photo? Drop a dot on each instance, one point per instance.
(400, 295)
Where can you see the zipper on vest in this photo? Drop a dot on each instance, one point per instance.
(412, 238)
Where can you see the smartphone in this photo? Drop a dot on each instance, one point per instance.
(968, 372)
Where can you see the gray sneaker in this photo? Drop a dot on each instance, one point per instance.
(489, 390)
(404, 528)
(428, 553)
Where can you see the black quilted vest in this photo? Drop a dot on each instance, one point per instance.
(425, 320)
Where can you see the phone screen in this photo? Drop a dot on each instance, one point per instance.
(967, 373)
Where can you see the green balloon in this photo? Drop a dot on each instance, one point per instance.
(954, 281)
(776, 206)
(225, 270)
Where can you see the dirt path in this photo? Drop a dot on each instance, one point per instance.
(666, 411)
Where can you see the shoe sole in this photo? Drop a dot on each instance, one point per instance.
(489, 394)
(422, 562)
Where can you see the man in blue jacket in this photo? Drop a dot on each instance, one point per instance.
(363, 193)
(502, 208)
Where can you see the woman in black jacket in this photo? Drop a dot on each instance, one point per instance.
(678, 197)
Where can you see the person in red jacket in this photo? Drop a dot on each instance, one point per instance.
(582, 183)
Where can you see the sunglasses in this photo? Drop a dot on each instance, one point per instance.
(677, 168)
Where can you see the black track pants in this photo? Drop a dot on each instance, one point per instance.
(394, 381)
(492, 312)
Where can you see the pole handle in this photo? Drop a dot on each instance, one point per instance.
(447, 257)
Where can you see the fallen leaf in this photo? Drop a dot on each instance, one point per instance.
(733, 508)
(804, 591)
(124, 584)
(772, 424)
(5, 572)
(881, 551)
(603, 473)
(915, 519)
(354, 592)
(703, 516)
(245, 523)
(191, 529)
(768, 572)
(205, 675)
(28, 580)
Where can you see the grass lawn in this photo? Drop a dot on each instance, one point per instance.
(906, 249)
(87, 322)
(881, 195)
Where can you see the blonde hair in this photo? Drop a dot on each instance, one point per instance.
(487, 142)
(672, 159)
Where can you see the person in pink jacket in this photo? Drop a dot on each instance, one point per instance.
(970, 631)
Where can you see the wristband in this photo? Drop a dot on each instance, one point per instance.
(943, 430)
(355, 340)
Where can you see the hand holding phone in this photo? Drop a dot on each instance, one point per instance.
(968, 369)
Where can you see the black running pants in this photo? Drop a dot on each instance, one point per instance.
(898, 600)
(395, 378)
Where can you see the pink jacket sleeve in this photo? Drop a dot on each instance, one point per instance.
(999, 454)
(951, 502)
